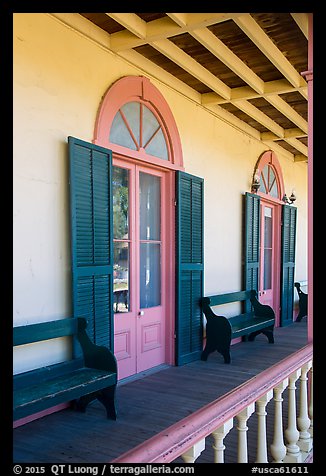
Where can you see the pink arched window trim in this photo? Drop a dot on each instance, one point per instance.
(138, 89)
(269, 158)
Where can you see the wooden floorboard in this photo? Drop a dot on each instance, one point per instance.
(153, 402)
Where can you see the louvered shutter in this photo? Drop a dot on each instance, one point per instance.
(289, 221)
(189, 267)
(251, 243)
(91, 237)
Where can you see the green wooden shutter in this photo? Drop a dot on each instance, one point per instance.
(251, 243)
(91, 238)
(189, 267)
(289, 220)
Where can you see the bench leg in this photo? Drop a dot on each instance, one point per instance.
(226, 355)
(107, 398)
(209, 348)
(269, 334)
(82, 402)
(253, 335)
(300, 316)
(204, 354)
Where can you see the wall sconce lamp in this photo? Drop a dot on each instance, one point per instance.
(291, 199)
(255, 184)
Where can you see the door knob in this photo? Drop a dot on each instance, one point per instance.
(140, 313)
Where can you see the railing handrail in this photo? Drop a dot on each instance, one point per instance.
(172, 442)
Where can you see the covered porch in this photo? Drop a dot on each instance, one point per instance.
(153, 401)
(226, 99)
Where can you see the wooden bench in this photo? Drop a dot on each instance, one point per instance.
(220, 330)
(303, 303)
(91, 374)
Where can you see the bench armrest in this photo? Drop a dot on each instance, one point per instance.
(95, 356)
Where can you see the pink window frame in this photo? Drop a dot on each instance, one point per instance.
(269, 158)
(138, 89)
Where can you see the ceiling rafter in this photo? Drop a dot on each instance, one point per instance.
(301, 20)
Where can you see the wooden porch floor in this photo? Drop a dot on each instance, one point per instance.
(150, 403)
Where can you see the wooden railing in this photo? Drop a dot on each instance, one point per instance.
(187, 438)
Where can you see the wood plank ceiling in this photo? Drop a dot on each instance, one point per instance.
(243, 67)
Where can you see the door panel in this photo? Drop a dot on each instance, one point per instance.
(139, 247)
(267, 251)
(269, 280)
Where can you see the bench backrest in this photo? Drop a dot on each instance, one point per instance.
(44, 330)
(226, 298)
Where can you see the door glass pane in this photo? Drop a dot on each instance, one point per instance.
(150, 275)
(121, 276)
(120, 185)
(150, 207)
(268, 240)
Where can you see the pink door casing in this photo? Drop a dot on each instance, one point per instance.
(140, 266)
(269, 281)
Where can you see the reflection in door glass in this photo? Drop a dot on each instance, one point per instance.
(150, 207)
(121, 277)
(150, 236)
(150, 275)
(121, 256)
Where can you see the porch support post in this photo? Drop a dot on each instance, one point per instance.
(292, 433)
(278, 448)
(308, 75)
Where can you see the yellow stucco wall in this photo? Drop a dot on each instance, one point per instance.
(59, 79)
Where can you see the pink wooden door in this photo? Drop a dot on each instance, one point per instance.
(139, 268)
(269, 256)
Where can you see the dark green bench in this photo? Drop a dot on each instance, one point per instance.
(91, 374)
(220, 330)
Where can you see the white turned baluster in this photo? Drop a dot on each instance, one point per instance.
(310, 409)
(305, 441)
(278, 448)
(261, 456)
(219, 436)
(242, 428)
(194, 452)
(292, 434)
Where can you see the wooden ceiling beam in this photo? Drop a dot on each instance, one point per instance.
(278, 149)
(199, 20)
(232, 61)
(257, 35)
(280, 86)
(300, 158)
(139, 33)
(288, 111)
(259, 116)
(185, 61)
(303, 149)
(132, 22)
(294, 132)
(301, 20)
